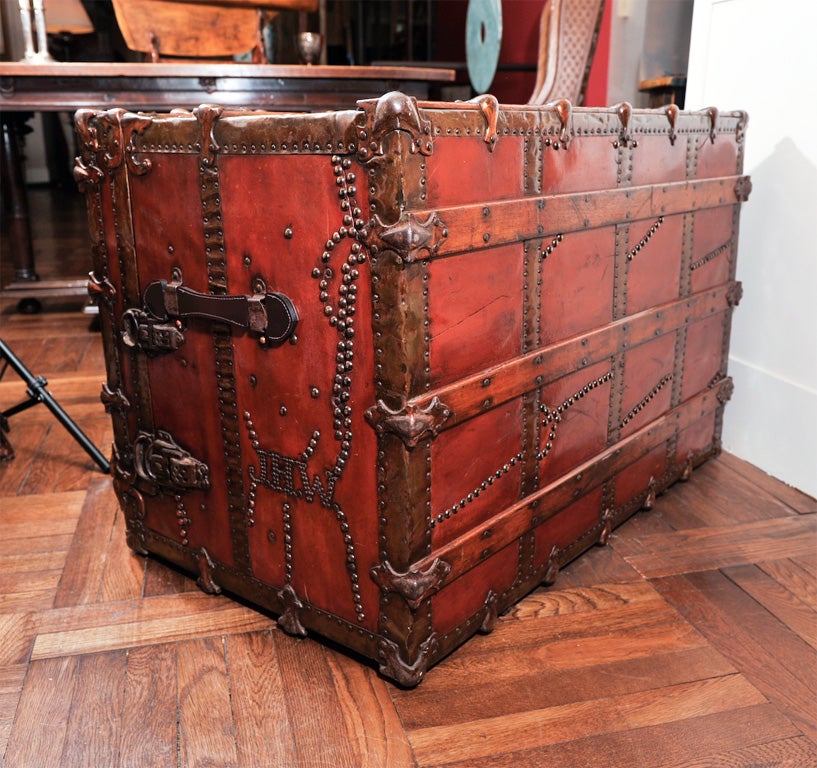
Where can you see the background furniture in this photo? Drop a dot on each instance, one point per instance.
(568, 31)
(199, 28)
(61, 87)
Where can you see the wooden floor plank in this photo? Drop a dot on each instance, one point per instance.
(600, 565)
(319, 733)
(536, 686)
(26, 441)
(795, 577)
(775, 661)
(59, 353)
(482, 738)
(26, 518)
(105, 627)
(77, 394)
(659, 746)
(704, 549)
(795, 499)
(123, 576)
(574, 650)
(29, 600)
(649, 614)
(264, 733)
(42, 716)
(15, 584)
(11, 685)
(369, 715)
(718, 497)
(92, 735)
(563, 600)
(206, 730)
(808, 562)
(61, 464)
(18, 631)
(786, 753)
(84, 567)
(798, 616)
(149, 731)
(162, 579)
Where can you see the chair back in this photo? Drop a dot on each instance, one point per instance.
(201, 29)
(568, 31)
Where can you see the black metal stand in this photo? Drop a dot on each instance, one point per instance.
(37, 393)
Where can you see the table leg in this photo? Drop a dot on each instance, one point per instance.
(26, 285)
(14, 191)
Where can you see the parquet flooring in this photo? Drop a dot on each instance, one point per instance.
(690, 640)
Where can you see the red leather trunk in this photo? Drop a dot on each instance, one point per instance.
(383, 371)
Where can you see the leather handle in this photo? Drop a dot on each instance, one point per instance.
(272, 315)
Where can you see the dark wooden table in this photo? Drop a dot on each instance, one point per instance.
(66, 87)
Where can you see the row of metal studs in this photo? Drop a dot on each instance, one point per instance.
(711, 255)
(646, 239)
(552, 418)
(645, 400)
(548, 249)
(182, 519)
(342, 319)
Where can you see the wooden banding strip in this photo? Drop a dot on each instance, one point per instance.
(486, 389)
(484, 540)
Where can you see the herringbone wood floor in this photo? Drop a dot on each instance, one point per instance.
(691, 640)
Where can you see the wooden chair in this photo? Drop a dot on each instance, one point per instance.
(208, 29)
(568, 31)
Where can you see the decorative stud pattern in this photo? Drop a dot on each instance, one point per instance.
(711, 255)
(550, 247)
(646, 239)
(551, 420)
(183, 520)
(290, 475)
(216, 263)
(636, 409)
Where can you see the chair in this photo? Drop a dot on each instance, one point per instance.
(568, 31)
(198, 29)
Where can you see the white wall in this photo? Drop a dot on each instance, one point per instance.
(762, 57)
(626, 45)
(648, 38)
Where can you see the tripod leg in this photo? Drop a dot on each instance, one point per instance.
(38, 393)
(6, 450)
(75, 432)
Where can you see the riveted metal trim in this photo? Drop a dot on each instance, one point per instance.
(114, 400)
(290, 619)
(410, 238)
(161, 463)
(405, 673)
(734, 294)
(205, 580)
(215, 258)
(552, 567)
(606, 526)
(491, 613)
(671, 111)
(414, 586)
(489, 106)
(625, 113)
(410, 423)
(712, 113)
(564, 109)
(743, 188)
(394, 111)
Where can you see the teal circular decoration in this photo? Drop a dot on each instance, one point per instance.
(483, 37)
